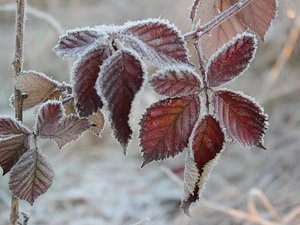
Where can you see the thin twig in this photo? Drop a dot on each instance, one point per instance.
(18, 103)
(202, 30)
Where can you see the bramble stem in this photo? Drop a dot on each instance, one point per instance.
(18, 98)
(202, 30)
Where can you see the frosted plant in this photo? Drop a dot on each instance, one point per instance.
(198, 115)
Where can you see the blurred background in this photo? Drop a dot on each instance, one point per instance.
(96, 185)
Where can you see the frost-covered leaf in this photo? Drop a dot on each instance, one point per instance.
(256, 16)
(176, 82)
(97, 121)
(207, 143)
(54, 124)
(84, 76)
(31, 176)
(231, 60)
(121, 77)
(166, 127)
(11, 149)
(37, 87)
(242, 118)
(10, 126)
(75, 42)
(156, 40)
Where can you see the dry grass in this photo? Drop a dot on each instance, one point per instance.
(95, 184)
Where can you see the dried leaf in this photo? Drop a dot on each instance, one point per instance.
(176, 82)
(75, 42)
(207, 143)
(37, 87)
(257, 16)
(54, 124)
(11, 149)
(97, 121)
(231, 60)
(84, 76)
(243, 119)
(31, 176)
(157, 41)
(166, 127)
(121, 77)
(10, 126)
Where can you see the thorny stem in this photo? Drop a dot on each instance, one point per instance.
(18, 98)
(202, 30)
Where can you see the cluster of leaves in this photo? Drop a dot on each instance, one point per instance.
(109, 69)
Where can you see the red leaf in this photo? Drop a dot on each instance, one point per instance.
(76, 41)
(176, 82)
(207, 143)
(97, 121)
(243, 119)
(31, 176)
(37, 87)
(121, 77)
(257, 16)
(231, 60)
(84, 75)
(52, 123)
(156, 40)
(11, 149)
(10, 126)
(166, 127)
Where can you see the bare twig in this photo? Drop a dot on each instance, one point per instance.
(18, 103)
(202, 30)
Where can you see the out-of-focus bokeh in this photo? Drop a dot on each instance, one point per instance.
(96, 185)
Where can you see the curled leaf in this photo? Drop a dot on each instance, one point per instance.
(207, 143)
(54, 124)
(37, 87)
(166, 127)
(231, 60)
(156, 40)
(97, 121)
(243, 119)
(84, 75)
(121, 77)
(176, 82)
(75, 42)
(31, 176)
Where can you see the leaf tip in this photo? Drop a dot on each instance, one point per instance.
(260, 145)
(185, 207)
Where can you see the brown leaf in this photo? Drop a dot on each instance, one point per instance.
(31, 176)
(97, 121)
(231, 60)
(75, 42)
(176, 82)
(37, 87)
(157, 41)
(121, 77)
(84, 76)
(11, 149)
(207, 143)
(54, 124)
(166, 127)
(243, 119)
(10, 126)
(257, 16)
